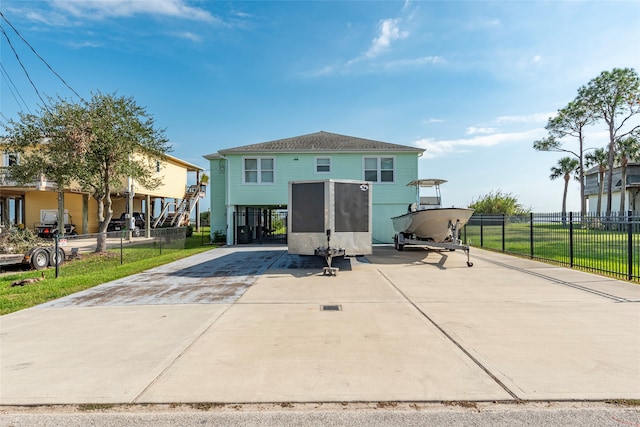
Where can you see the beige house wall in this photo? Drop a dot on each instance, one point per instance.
(173, 185)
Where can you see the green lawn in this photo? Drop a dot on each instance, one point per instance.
(93, 269)
(593, 249)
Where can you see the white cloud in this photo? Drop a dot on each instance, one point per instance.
(415, 62)
(532, 118)
(189, 36)
(474, 130)
(433, 120)
(389, 32)
(438, 148)
(98, 9)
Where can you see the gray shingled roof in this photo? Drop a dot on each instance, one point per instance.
(320, 141)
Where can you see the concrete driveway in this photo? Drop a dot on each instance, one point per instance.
(254, 324)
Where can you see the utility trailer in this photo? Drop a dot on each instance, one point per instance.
(39, 257)
(329, 218)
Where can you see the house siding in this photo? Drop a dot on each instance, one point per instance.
(632, 198)
(217, 195)
(389, 199)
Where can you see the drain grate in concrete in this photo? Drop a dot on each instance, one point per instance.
(330, 308)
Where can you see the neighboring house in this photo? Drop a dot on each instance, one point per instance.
(249, 184)
(631, 187)
(22, 204)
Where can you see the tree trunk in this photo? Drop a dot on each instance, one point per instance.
(600, 191)
(623, 187)
(612, 150)
(583, 201)
(564, 195)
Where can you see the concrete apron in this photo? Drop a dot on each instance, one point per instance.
(410, 326)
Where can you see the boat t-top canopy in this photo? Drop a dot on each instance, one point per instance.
(430, 182)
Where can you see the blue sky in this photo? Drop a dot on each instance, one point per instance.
(472, 82)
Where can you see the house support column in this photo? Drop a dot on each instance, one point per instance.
(230, 225)
(198, 202)
(17, 211)
(147, 216)
(4, 213)
(23, 210)
(85, 214)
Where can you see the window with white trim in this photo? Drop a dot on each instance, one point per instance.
(10, 159)
(379, 169)
(323, 164)
(259, 170)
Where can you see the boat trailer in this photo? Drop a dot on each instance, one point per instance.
(401, 240)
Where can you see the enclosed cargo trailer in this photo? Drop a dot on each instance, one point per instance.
(329, 218)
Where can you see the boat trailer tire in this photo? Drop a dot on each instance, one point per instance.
(39, 258)
(398, 247)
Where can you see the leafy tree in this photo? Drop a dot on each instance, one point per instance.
(598, 158)
(570, 121)
(613, 96)
(628, 149)
(498, 203)
(205, 218)
(566, 167)
(98, 143)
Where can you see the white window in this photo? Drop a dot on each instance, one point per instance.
(323, 164)
(379, 169)
(10, 159)
(259, 170)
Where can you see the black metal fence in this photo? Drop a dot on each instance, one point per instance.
(264, 226)
(124, 244)
(608, 245)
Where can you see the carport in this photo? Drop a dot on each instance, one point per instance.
(260, 224)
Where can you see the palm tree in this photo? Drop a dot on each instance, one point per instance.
(598, 157)
(566, 167)
(628, 150)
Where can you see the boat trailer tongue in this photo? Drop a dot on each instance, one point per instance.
(328, 253)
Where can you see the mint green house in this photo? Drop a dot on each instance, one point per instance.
(249, 184)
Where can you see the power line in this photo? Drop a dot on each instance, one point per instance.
(38, 55)
(12, 87)
(22, 65)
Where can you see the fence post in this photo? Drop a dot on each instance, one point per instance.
(121, 236)
(481, 232)
(531, 234)
(571, 239)
(503, 220)
(629, 245)
(57, 258)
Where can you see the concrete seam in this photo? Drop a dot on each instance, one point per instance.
(197, 337)
(181, 353)
(450, 338)
(557, 281)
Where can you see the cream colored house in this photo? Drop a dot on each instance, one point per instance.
(21, 205)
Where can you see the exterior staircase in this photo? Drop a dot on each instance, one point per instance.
(178, 214)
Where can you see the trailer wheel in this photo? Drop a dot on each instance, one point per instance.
(398, 247)
(39, 258)
(56, 258)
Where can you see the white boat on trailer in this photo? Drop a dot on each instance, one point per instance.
(428, 224)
